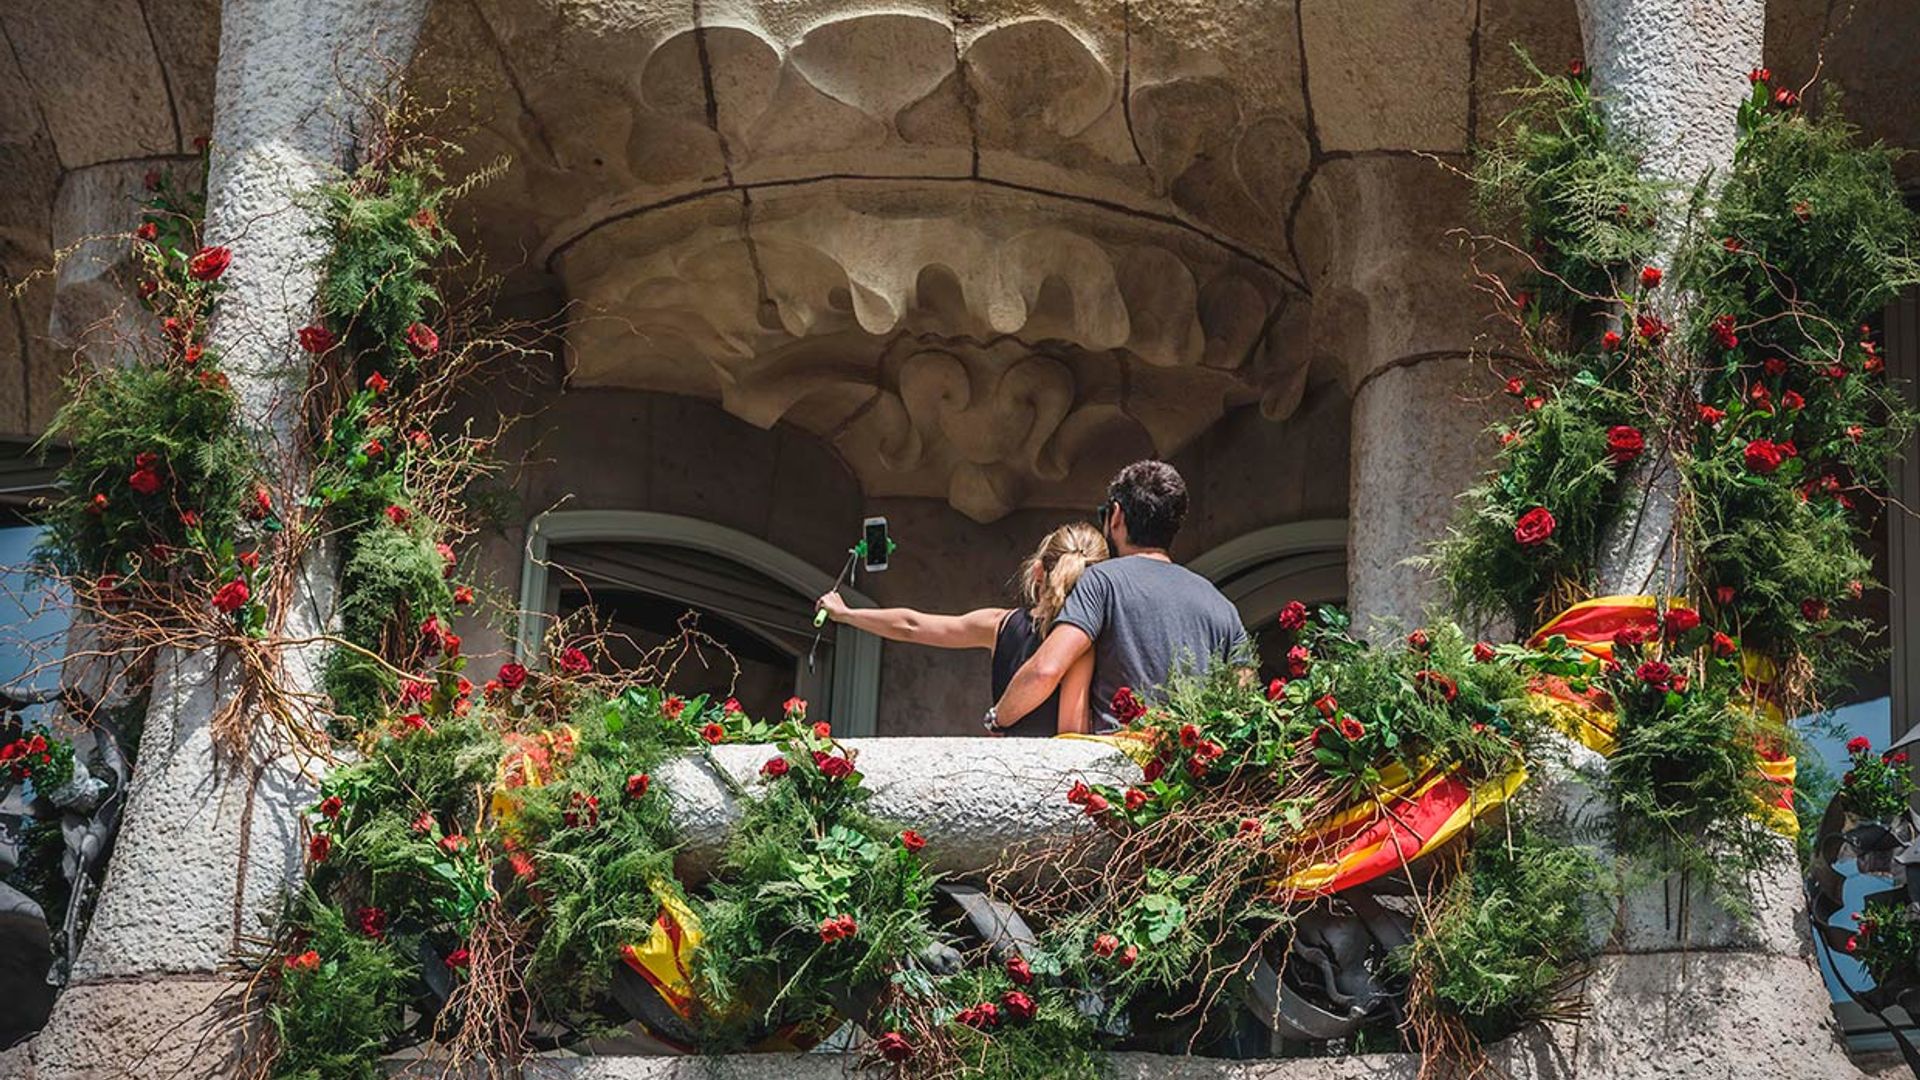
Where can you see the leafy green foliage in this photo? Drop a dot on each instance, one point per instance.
(1569, 188)
(813, 902)
(1888, 942)
(339, 999)
(381, 230)
(201, 470)
(1876, 787)
(1511, 934)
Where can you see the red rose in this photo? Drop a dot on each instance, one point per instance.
(232, 596)
(317, 339)
(1438, 683)
(713, 733)
(209, 263)
(422, 342)
(1576, 68)
(836, 768)
(1859, 744)
(911, 840)
(1135, 798)
(1077, 794)
(894, 1047)
(794, 708)
(1793, 401)
(399, 515)
(672, 707)
(1128, 955)
(1418, 641)
(331, 806)
(372, 922)
(775, 768)
(1610, 340)
(1293, 616)
(1018, 1004)
(463, 595)
(452, 843)
(319, 847)
(1534, 527)
(147, 231)
(306, 961)
(1352, 729)
(1722, 328)
(98, 504)
(1761, 397)
(151, 180)
(1624, 443)
(1298, 661)
(1763, 456)
(1276, 688)
(1327, 705)
(1655, 674)
(460, 957)
(637, 785)
(1097, 804)
(1154, 770)
(980, 1017)
(1785, 98)
(823, 730)
(1723, 645)
(1127, 706)
(1482, 652)
(1650, 327)
(377, 383)
(424, 822)
(1517, 386)
(146, 481)
(574, 662)
(1711, 416)
(1680, 620)
(1759, 75)
(1251, 827)
(1813, 610)
(1018, 971)
(512, 676)
(1105, 945)
(1650, 277)
(262, 504)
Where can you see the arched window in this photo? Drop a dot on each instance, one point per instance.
(1262, 570)
(643, 571)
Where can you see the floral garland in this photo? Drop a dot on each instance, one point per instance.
(499, 862)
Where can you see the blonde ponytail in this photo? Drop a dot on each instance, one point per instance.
(1049, 574)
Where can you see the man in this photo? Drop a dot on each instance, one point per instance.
(1143, 616)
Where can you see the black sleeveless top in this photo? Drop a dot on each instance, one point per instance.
(1012, 645)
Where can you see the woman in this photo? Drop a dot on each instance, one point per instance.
(1012, 634)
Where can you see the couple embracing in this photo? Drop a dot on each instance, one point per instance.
(1101, 609)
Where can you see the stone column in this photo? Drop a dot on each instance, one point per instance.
(1671, 75)
(1394, 308)
(209, 843)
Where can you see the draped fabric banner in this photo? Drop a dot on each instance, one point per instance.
(1588, 716)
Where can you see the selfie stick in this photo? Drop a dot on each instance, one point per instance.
(855, 555)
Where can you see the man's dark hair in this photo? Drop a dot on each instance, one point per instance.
(1153, 500)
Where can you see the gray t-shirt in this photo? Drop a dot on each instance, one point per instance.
(1148, 619)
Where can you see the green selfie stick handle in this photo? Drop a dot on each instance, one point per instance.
(820, 617)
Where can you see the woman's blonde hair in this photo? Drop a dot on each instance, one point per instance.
(1048, 575)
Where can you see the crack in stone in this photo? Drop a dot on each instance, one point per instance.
(166, 79)
(969, 104)
(1126, 88)
(39, 110)
(513, 80)
(1473, 77)
(1239, 250)
(706, 86)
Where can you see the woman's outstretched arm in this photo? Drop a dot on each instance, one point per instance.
(974, 630)
(1076, 692)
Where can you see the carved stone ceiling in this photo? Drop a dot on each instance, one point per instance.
(981, 246)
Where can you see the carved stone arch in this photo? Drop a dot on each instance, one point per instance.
(1261, 570)
(856, 658)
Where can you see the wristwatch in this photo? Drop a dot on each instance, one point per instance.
(992, 720)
